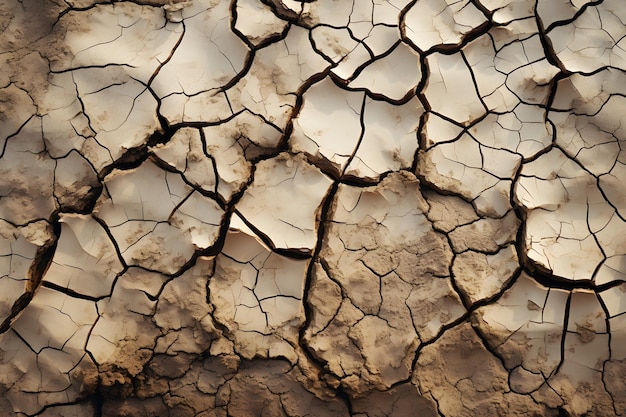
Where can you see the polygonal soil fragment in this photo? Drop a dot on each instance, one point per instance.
(277, 73)
(469, 381)
(480, 174)
(566, 214)
(159, 316)
(257, 295)
(393, 76)
(16, 255)
(189, 73)
(594, 39)
(480, 276)
(43, 357)
(86, 261)
(186, 154)
(375, 252)
(525, 326)
(288, 177)
(451, 91)
(257, 22)
(151, 231)
(388, 142)
(439, 22)
(136, 37)
(26, 177)
(127, 125)
(340, 111)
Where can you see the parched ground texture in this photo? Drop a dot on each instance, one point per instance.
(312, 208)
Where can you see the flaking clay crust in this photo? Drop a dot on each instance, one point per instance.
(312, 208)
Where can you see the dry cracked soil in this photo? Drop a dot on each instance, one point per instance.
(358, 208)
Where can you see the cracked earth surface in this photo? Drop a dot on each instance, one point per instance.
(312, 208)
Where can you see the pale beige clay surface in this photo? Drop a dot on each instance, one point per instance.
(312, 208)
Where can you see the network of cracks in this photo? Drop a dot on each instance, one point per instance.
(312, 208)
